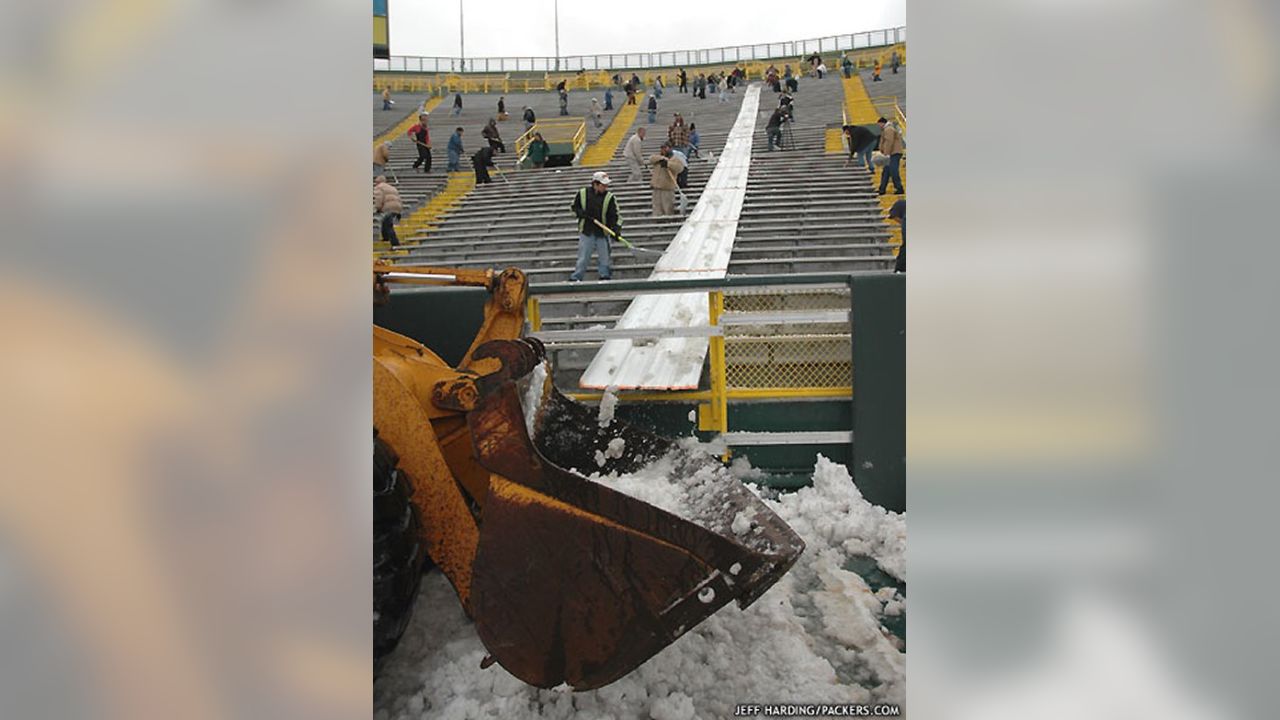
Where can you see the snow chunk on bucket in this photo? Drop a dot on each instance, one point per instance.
(531, 399)
(608, 404)
(612, 451)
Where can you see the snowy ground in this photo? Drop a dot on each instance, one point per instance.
(817, 636)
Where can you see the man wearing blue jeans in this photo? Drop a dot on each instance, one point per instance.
(891, 144)
(862, 142)
(592, 205)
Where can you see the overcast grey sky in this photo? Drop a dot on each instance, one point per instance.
(526, 27)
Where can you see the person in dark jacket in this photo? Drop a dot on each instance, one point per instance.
(684, 81)
(774, 127)
(593, 204)
(653, 109)
(482, 161)
(490, 133)
(529, 118)
(898, 214)
(538, 151)
(608, 98)
(457, 103)
(786, 102)
(502, 108)
(862, 142)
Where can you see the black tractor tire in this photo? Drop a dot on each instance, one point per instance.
(399, 551)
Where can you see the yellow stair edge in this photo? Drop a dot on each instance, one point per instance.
(834, 141)
(428, 216)
(602, 151)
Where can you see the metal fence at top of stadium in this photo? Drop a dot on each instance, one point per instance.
(642, 61)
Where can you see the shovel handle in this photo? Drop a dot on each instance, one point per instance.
(613, 234)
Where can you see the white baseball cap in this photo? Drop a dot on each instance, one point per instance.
(601, 177)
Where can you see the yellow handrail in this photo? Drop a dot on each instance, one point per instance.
(522, 142)
(402, 81)
(442, 83)
(574, 81)
(572, 130)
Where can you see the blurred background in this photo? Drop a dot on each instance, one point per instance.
(184, 525)
(184, 510)
(1091, 354)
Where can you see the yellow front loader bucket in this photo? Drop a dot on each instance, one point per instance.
(576, 583)
(568, 581)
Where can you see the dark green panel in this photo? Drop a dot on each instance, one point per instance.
(667, 419)
(790, 415)
(879, 388)
(445, 319)
(789, 466)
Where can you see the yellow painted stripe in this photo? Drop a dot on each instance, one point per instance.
(857, 104)
(430, 215)
(405, 124)
(835, 143)
(600, 153)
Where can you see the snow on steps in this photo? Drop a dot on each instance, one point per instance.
(700, 249)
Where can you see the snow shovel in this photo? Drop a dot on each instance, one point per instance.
(626, 243)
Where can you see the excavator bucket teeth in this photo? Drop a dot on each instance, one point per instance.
(577, 583)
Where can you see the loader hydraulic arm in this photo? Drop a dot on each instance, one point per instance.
(503, 313)
(430, 275)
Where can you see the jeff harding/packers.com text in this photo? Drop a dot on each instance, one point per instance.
(789, 710)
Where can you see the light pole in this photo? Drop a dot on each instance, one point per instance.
(462, 46)
(557, 6)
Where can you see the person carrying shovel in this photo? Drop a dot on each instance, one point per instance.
(422, 140)
(597, 212)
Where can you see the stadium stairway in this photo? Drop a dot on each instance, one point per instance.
(418, 189)
(804, 211)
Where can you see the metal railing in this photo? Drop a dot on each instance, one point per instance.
(887, 106)
(643, 61)
(559, 130)
(771, 337)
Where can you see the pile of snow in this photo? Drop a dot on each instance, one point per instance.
(815, 636)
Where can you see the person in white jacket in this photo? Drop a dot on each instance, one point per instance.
(635, 156)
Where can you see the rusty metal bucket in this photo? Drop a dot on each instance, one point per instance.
(574, 582)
